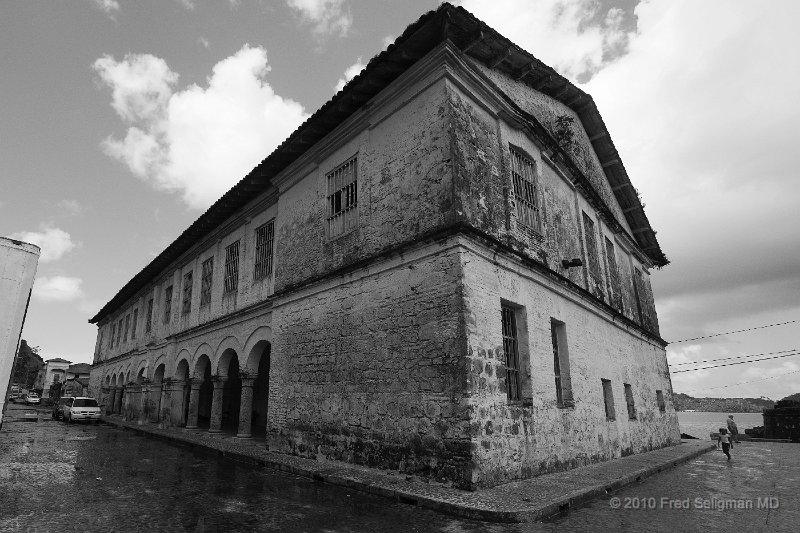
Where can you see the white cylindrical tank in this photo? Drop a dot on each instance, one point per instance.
(18, 261)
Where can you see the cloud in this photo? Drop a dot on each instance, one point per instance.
(54, 242)
(73, 207)
(202, 41)
(576, 37)
(327, 17)
(198, 141)
(187, 4)
(350, 72)
(57, 289)
(713, 151)
(109, 7)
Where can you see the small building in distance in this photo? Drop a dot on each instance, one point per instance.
(445, 270)
(76, 380)
(54, 371)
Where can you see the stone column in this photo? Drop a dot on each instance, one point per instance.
(194, 402)
(175, 402)
(163, 400)
(216, 404)
(144, 399)
(246, 408)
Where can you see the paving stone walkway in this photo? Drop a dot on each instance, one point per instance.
(520, 501)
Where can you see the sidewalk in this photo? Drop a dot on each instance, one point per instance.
(519, 501)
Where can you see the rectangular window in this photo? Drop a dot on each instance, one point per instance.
(232, 267)
(206, 276)
(127, 328)
(615, 294)
(135, 322)
(595, 280)
(660, 400)
(629, 402)
(523, 173)
(558, 334)
(511, 349)
(608, 397)
(113, 333)
(187, 293)
(148, 324)
(167, 304)
(342, 198)
(119, 331)
(265, 235)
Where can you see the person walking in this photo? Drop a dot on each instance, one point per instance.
(725, 440)
(733, 430)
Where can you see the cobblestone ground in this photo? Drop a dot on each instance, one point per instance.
(59, 477)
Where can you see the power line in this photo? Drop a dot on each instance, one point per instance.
(745, 382)
(737, 363)
(734, 357)
(737, 331)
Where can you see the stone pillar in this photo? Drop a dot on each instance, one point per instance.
(177, 392)
(145, 406)
(216, 405)
(163, 401)
(246, 408)
(194, 402)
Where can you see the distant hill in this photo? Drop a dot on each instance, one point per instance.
(685, 402)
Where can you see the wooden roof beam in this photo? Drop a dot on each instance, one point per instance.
(474, 40)
(621, 186)
(499, 59)
(610, 163)
(598, 136)
(524, 71)
(544, 80)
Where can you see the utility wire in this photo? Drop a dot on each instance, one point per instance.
(737, 331)
(735, 357)
(737, 363)
(744, 382)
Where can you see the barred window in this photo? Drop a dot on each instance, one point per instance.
(662, 406)
(511, 348)
(113, 334)
(135, 321)
(342, 198)
(629, 401)
(558, 334)
(523, 172)
(608, 399)
(232, 267)
(127, 328)
(167, 304)
(148, 324)
(119, 331)
(187, 293)
(595, 281)
(206, 277)
(265, 235)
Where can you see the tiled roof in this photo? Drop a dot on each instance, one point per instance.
(473, 37)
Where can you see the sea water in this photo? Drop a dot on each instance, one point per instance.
(700, 424)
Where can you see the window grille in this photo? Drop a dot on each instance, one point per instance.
(265, 235)
(511, 348)
(629, 402)
(613, 276)
(167, 304)
(232, 267)
(148, 324)
(662, 406)
(342, 199)
(187, 293)
(523, 172)
(135, 321)
(608, 398)
(206, 277)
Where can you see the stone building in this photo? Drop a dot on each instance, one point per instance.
(53, 372)
(445, 270)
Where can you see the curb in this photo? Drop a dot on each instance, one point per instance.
(534, 511)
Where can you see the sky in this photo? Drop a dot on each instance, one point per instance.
(122, 121)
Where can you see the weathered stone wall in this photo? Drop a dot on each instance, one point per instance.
(404, 190)
(512, 441)
(372, 369)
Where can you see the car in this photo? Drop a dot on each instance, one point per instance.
(32, 398)
(58, 407)
(80, 408)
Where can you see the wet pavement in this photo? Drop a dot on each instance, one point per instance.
(59, 477)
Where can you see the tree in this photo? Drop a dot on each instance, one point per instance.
(27, 365)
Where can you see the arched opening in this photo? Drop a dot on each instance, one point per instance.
(157, 394)
(202, 371)
(228, 369)
(258, 364)
(182, 403)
